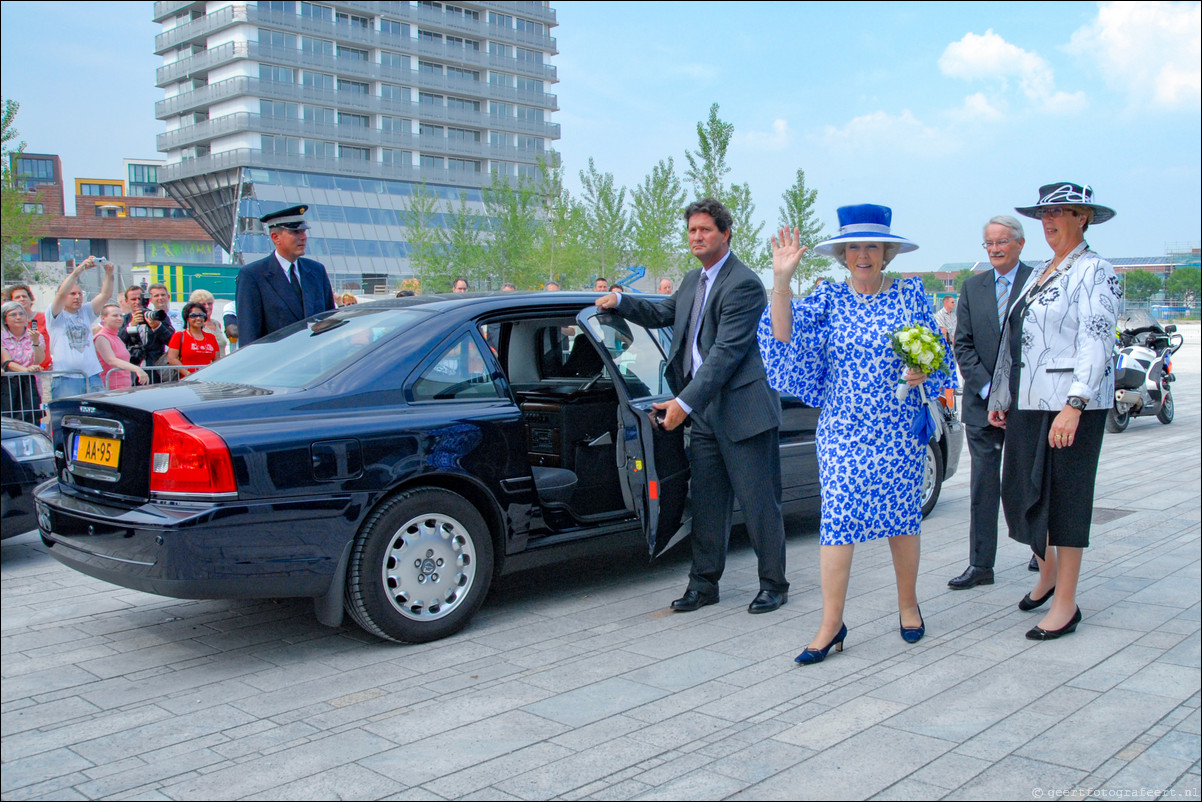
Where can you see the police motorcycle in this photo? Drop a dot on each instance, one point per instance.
(1143, 371)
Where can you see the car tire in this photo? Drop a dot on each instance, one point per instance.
(1117, 421)
(1165, 415)
(420, 567)
(932, 477)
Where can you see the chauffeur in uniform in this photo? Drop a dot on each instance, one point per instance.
(282, 287)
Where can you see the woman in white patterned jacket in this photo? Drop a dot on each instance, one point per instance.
(1053, 384)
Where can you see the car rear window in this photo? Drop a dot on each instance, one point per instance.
(297, 356)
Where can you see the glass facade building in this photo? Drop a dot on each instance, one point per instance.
(348, 107)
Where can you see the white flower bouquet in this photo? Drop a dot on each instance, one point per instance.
(920, 349)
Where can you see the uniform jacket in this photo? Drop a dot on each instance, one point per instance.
(266, 301)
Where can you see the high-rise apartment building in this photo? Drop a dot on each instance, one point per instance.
(348, 107)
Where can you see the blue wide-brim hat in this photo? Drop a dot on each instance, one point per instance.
(866, 222)
(1066, 193)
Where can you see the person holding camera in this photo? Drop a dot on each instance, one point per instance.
(145, 331)
(70, 321)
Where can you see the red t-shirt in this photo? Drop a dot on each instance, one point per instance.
(193, 351)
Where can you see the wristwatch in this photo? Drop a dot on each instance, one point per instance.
(1078, 403)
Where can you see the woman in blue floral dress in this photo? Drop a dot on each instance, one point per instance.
(833, 349)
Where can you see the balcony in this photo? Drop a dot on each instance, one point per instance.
(165, 9)
(207, 131)
(198, 30)
(198, 66)
(371, 38)
(257, 159)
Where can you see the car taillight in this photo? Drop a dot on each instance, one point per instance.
(188, 459)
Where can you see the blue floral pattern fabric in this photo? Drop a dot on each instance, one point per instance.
(841, 359)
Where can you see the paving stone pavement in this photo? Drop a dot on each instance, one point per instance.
(575, 682)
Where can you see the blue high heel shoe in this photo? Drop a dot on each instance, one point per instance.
(811, 656)
(912, 634)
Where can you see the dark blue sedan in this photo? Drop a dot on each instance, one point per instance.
(389, 459)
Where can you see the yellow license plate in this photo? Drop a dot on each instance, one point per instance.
(97, 451)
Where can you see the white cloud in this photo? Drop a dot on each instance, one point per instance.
(984, 57)
(881, 130)
(978, 108)
(777, 139)
(1151, 51)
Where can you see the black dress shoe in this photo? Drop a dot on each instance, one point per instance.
(1034, 564)
(768, 600)
(1039, 633)
(971, 577)
(693, 600)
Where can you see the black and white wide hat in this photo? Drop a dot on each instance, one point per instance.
(1066, 193)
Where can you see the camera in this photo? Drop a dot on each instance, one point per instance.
(151, 314)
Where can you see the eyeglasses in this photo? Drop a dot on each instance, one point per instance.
(1057, 211)
(197, 317)
(990, 244)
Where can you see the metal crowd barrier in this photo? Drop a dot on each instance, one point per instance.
(159, 374)
(24, 395)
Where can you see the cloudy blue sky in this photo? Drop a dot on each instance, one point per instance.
(948, 112)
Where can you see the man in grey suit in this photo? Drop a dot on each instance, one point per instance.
(716, 373)
(984, 301)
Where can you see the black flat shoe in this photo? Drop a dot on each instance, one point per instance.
(768, 600)
(810, 656)
(1038, 633)
(1028, 604)
(912, 634)
(971, 577)
(693, 600)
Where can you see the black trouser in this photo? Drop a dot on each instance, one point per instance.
(985, 488)
(722, 471)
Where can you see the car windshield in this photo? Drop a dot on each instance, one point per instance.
(296, 356)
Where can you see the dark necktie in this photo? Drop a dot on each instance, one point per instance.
(296, 285)
(694, 320)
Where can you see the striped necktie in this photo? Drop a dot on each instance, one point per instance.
(694, 320)
(1003, 298)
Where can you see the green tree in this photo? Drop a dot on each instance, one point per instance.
(707, 174)
(425, 247)
(657, 240)
(561, 252)
(463, 248)
(1139, 285)
(17, 226)
(707, 167)
(512, 211)
(961, 277)
(1184, 283)
(607, 220)
(797, 211)
(931, 283)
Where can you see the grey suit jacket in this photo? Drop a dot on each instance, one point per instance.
(731, 387)
(977, 337)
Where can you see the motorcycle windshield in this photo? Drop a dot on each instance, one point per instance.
(1139, 319)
